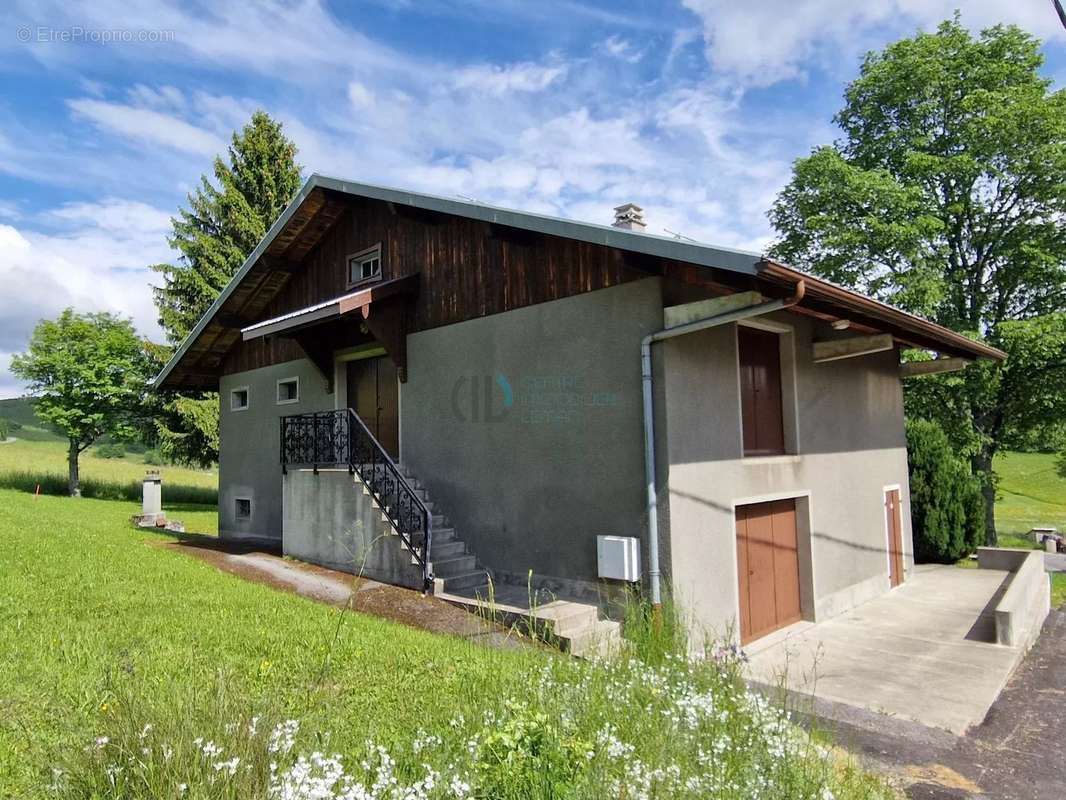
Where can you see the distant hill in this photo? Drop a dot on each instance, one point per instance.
(20, 411)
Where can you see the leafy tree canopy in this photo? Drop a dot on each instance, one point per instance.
(90, 375)
(946, 195)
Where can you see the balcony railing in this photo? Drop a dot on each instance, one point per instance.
(340, 438)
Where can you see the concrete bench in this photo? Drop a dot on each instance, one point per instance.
(1021, 611)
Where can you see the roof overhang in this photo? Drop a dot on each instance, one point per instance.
(331, 310)
(321, 201)
(835, 301)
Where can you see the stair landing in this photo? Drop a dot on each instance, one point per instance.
(575, 627)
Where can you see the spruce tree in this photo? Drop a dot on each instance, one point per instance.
(223, 223)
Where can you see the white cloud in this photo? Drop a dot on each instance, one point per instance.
(359, 96)
(500, 79)
(92, 256)
(759, 44)
(148, 126)
(621, 48)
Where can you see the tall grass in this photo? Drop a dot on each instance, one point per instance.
(619, 728)
(53, 483)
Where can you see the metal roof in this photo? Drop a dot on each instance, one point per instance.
(647, 243)
(666, 247)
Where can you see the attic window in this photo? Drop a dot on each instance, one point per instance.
(364, 266)
(238, 399)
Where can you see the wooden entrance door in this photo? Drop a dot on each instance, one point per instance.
(373, 392)
(767, 567)
(895, 537)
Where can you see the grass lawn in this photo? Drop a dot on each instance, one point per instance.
(51, 456)
(189, 495)
(100, 622)
(86, 600)
(1030, 493)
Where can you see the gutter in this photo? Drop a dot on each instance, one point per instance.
(654, 571)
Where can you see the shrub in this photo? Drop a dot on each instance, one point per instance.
(153, 458)
(947, 508)
(5, 429)
(110, 450)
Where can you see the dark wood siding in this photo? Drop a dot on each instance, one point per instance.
(468, 269)
(759, 353)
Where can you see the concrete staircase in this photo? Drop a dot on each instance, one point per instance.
(459, 578)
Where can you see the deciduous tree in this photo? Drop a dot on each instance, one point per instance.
(89, 374)
(946, 195)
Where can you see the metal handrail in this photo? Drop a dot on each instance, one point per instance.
(330, 438)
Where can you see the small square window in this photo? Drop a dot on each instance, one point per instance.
(288, 391)
(238, 399)
(243, 508)
(364, 266)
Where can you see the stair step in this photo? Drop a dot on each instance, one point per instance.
(447, 549)
(442, 535)
(600, 639)
(457, 565)
(466, 580)
(565, 617)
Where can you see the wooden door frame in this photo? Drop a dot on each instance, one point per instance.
(807, 577)
(888, 534)
(790, 416)
(341, 358)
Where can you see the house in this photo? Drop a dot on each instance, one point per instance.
(499, 391)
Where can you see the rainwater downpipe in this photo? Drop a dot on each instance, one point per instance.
(654, 573)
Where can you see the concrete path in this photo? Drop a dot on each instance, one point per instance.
(1055, 562)
(258, 562)
(921, 652)
(1017, 753)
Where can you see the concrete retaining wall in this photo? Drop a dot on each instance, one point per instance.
(1021, 612)
(330, 520)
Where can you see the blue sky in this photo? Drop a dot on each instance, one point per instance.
(693, 109)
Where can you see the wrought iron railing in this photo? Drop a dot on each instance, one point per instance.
(340, 438)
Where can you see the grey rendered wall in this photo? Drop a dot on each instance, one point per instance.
(331, 520)
(531, 484)
(851, 445)
(249, 462)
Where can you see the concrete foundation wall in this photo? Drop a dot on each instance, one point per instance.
(844, 427)
(249, 462)
(526, 427)
(329, 519)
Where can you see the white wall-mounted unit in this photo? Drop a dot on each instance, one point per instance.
(618, 557)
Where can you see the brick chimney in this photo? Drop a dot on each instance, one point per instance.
(629, 217)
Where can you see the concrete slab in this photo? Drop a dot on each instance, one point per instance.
(923, 652)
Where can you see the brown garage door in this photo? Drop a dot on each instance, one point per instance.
(767, 567)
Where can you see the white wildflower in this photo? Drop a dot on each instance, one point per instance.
(227, 766)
